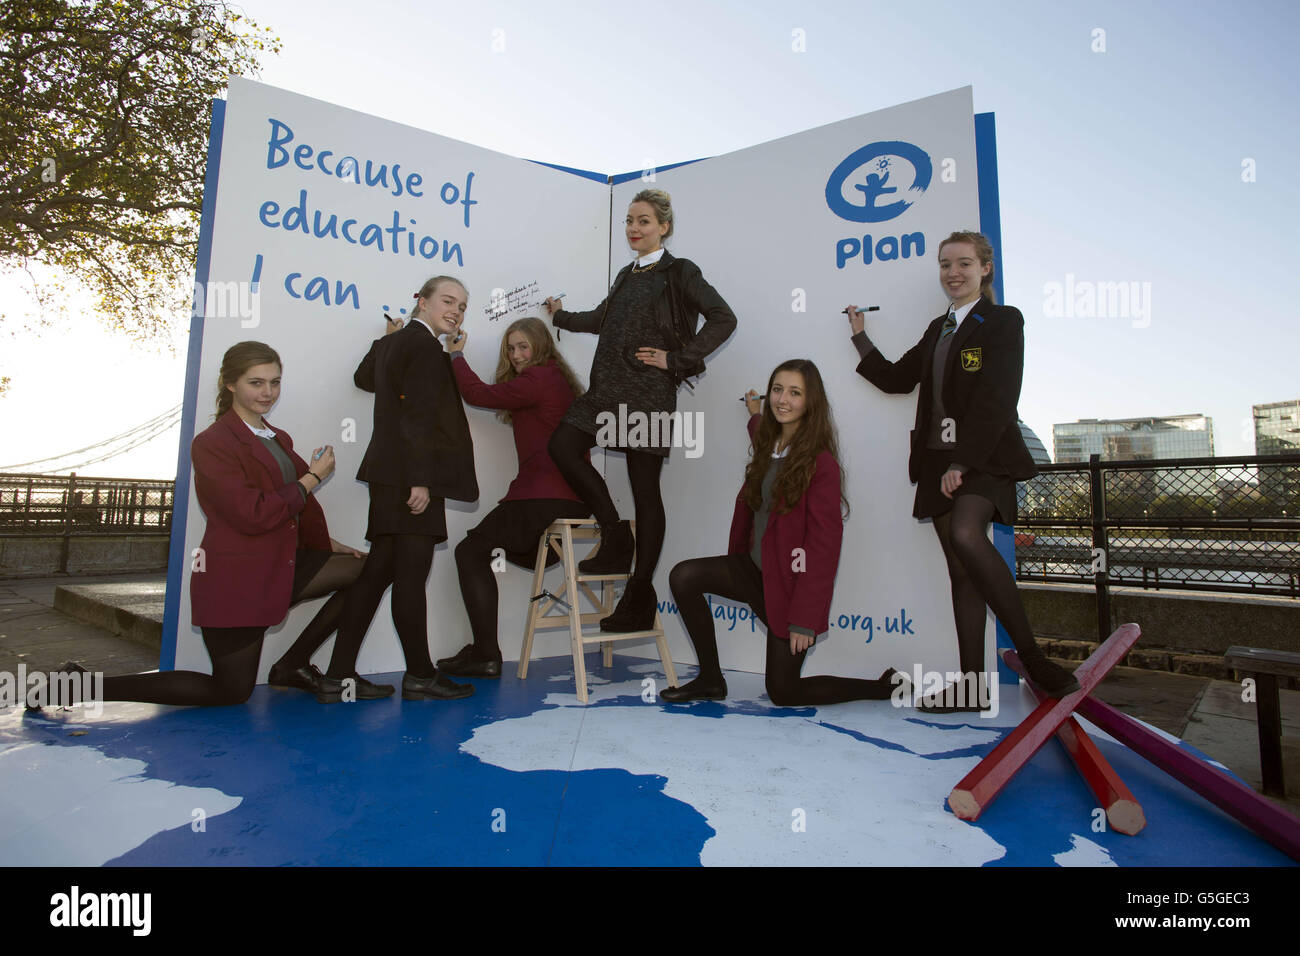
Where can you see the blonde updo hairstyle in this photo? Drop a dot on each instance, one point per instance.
(661, 203)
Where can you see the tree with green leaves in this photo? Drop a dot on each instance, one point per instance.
(105, 107)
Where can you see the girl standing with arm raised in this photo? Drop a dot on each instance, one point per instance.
(967, 452)
(648, 346)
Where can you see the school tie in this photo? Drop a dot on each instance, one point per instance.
(949, 324)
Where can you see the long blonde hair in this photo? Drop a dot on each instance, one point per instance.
(544, 350)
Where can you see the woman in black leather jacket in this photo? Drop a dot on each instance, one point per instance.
(648, 346)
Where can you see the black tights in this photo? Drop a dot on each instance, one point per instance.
(478, 587)
(236, 651)
(569, 445)
(737, 578)
(402, 560)
(980, 579)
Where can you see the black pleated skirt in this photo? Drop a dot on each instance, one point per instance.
(389, 514)
(930, 501)
(516, 526)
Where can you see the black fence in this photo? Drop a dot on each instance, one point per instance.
(1201, 524)
(1207, 524)
(68, 505)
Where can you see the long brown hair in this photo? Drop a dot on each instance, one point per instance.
(239, 358)
(544, 349)
(816, 433)
(983, 252)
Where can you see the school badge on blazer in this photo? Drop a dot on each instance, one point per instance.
(972, 360)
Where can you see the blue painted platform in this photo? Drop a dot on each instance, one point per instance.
(522, 774)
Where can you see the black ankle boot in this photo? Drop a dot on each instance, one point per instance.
(617, 547)
(635, 611)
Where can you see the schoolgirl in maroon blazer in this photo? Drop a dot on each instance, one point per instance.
(783, 551)
(265, 547)
(534, 387)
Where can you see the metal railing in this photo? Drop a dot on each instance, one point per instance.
(1202, 524)
(68, 505)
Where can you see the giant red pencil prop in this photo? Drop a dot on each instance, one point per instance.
(1233, 797)
(981, 786)
(1123, 811)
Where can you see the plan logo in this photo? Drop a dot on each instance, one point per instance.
(877, 183)
(865, 186)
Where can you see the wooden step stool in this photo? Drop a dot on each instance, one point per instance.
(561, 536)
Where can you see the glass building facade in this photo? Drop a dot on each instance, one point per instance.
(1277, 428)
(1037, 450)
(1123, 439)
(1277, 432)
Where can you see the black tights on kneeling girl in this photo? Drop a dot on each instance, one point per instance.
(736, 578)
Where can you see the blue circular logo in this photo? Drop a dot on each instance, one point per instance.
(873, 182)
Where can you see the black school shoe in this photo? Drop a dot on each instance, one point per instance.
(436, 687)
(1052, 679)
(955, 698)
(306, 678)
(698, 689)
(67, 667)
(465, 664)
(330, 691)
(635, 611)
(942, 704)
(617, 547)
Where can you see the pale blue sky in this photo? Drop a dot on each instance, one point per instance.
(1123, 165)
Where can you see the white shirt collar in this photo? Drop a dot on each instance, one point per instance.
(963, 311)
(784, 451)
(260, 432)
(650, 258)
(416, 318)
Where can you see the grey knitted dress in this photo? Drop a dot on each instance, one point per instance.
(617, 376)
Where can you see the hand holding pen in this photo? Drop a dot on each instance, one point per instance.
(856, 322)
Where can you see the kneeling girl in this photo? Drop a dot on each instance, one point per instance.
(784, 548)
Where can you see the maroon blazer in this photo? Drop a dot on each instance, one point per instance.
(538, 399)
(253, 527)
(800, 598)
